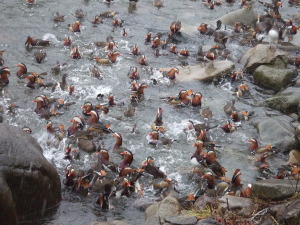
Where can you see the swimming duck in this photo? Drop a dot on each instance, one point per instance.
(113, 56)
(70, 175)
(96, 125)
(58, 17)
(104, 61)
(128, 159)
(148, 37)
(103, 199)
(206, 113)
(198, 159)
(97, 20)
(156, 42)
(171, 74)
(118, 22)
(243, 91)
(262, 165)
(139, 94)
(34, 80)
(95, 72)
(204, 29)
(42, 106)
(118, 148)
(31, 2)
(56, 69)
(4, 73)
(108, 14)
(175, 26)
(158, 3)
(229, 127)
(229, 107)
(202, 136)
(75, 53)
(1, 59)
(79, 14)
(236, 188)
(67, 41)
(156, 140)
(160, 184)
(27, 130)
(135, 50)
(129, 111)
(197, 99)
(211, 161)
(36, 42)
(39, 56)
(184, 52)
(173, 49)
(104, 159)
(58, 132)
(74, 27)
(77, 123)
(183, 99)
(149, 166)
(143, 61)
(158, 118)
(133, 74)
(71, 89)
(214, 187)
(87, 108)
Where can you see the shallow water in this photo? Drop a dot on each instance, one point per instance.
(19, 20)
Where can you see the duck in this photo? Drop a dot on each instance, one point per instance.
(229, 107)
(36, 42)
(4, 73)
(34, 80)
(202, 136)
(135, 50)
(171, 74)
(97, 20)
(139, 94)
(175, 26)
(118, 148)
(196, 99)
(75, 27)
(103, 61)
(113, 56)
(118, 22)
(262, 165)
(243, 91)
(95, 72)
(184, 52)
(182, 99)
(70, 175)
(57, 17)
(111, 100)
(173, 49)
(127, 161)
(103, 199)
(108, 14)
(42, 105)
(160, 184)
(79, 14)
(75, 53)
(56, 69)
(158, 4)
(1, 59)
(236, 188)
(158, 122)
(87, 108)
(96, 125)
(39, 56)
(62, 85)
(31, 2)
(133, 74)
(104, 160)
(149, 166)
(273, 35)
(204, 29)
(295, 172)
(129, 111)
(148, 37)
(67, 41)
(198, 159)
(211, 161)
(154, 139)
(214, 187)
(206, 113)
(143, 61)
(56, 131)
(77, 124)
(71, 89)
(229, 127)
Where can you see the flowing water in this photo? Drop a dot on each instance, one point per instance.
(19, 20)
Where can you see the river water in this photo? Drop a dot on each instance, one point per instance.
(19, 20)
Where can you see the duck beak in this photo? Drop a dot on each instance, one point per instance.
(123, 153)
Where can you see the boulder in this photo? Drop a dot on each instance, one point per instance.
(298, 132)
(287, 101)
(283, 133)
(289, 213)
(115, 222)
(169, 206)
(241, 206)
(262, 55)
(294, 157)
(207, 73)
(154, 220)
(87, 145)
(273, 77)
(274, 189)
(181, 220)
(208, 222)
(143, 203)
(246, 16)
(28, 182)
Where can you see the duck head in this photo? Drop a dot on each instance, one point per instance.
(22, 69)
(4, 73)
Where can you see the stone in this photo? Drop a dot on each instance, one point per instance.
(119, 222)
(274, 189)
(181, 220)
(287, 101)
(241, 206)
(246, 16)
(282, 136)
(289, 213)
(87, 145)
(298, 132)
(261, 55)
(207, 73)
(28, 182)
(273, 77)
(294, 157)
(115, 222)
(154, 220)
(169, 206)
(208, 222)
(102, 223)
(143, 203)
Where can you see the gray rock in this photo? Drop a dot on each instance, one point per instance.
(241, 206)
(273, 77)
(87, 145)
(294, 157)
(207, 73)
(167, 207)
(208, 222)
(261, 55)
(115, 222)
(143, 203)
(298, 132)
(289, 213)
(287, 101)
(119, 222)
(282, 135)
(154, 220)
(181, 220)
(28, 182)
(246, 16)
(274, 189)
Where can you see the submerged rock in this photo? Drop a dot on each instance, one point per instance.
(287, 101)
(241, 206)
(273, 77)
(272, 189)
(87, 145)
(276, 131)
(169, 206)
(206, 73)
(28, 182)
(245, 16)
(262, 54)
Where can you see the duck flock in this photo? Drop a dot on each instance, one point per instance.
(106, 175)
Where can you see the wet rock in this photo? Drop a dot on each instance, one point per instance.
(143, 203)
(167, 207)
(282, 135)
(273, 77)
(262, 55)
(28, 182)
(246, 16)
(289, 213)
(208, 222)
(181, 220)
(203, 201)
(294, 157)
(274, 189)
(154, 220)
(115, 222)
(298, 132)
(87, 145)
(206, 73)
(287, 101)
(241, 206)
